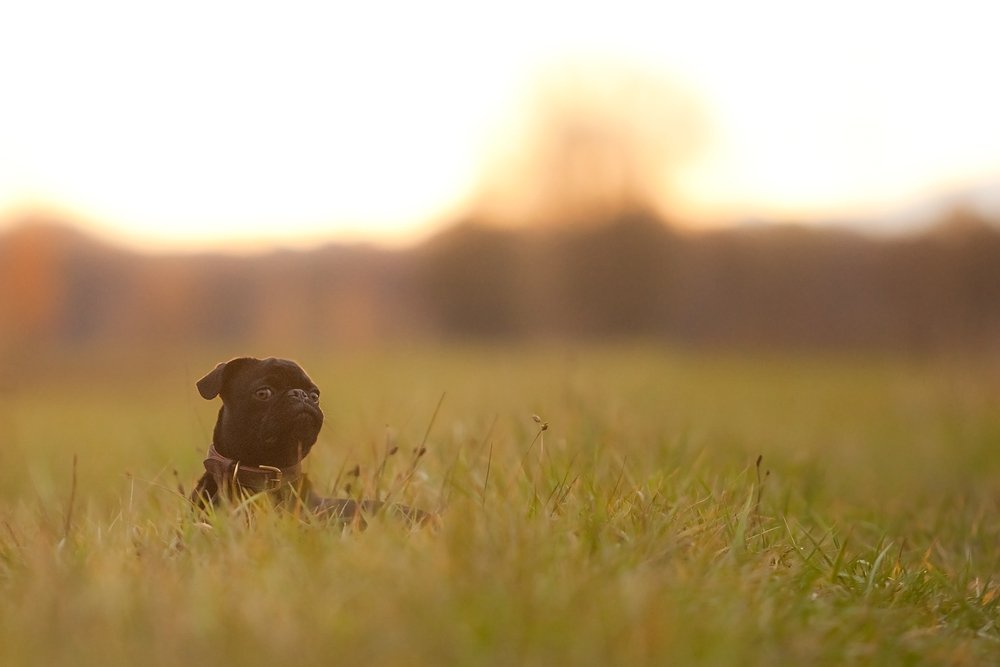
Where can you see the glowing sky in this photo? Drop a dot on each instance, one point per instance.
(194, 123)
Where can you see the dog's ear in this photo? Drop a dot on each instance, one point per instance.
(211, 385)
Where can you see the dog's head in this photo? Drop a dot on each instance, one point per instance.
(270, 411)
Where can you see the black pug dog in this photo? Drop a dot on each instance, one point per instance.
(269, 420)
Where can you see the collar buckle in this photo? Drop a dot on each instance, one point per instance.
(275, 480)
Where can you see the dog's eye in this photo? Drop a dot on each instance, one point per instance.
(314, 396)
(263, 393)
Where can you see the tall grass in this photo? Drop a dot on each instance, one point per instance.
(639, 526)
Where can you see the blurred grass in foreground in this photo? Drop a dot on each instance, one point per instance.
(628, 532)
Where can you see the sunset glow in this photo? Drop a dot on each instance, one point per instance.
(195, 125)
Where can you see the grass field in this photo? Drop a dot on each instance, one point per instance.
(635, 529)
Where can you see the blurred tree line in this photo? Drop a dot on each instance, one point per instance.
(632, 276)
(564, 240)
(768, 286)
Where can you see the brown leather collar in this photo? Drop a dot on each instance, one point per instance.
(230, 473)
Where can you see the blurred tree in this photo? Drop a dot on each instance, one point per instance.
(597, 141)
(616, 279)
(32, 282)
(469, 274)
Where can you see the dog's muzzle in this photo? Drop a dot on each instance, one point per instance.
(231, 474)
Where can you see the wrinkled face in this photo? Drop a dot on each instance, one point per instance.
(270, 413)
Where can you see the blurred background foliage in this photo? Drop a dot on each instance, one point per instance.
(632, 275)
(571, 236)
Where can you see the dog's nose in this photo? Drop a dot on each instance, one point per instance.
(299, 394)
